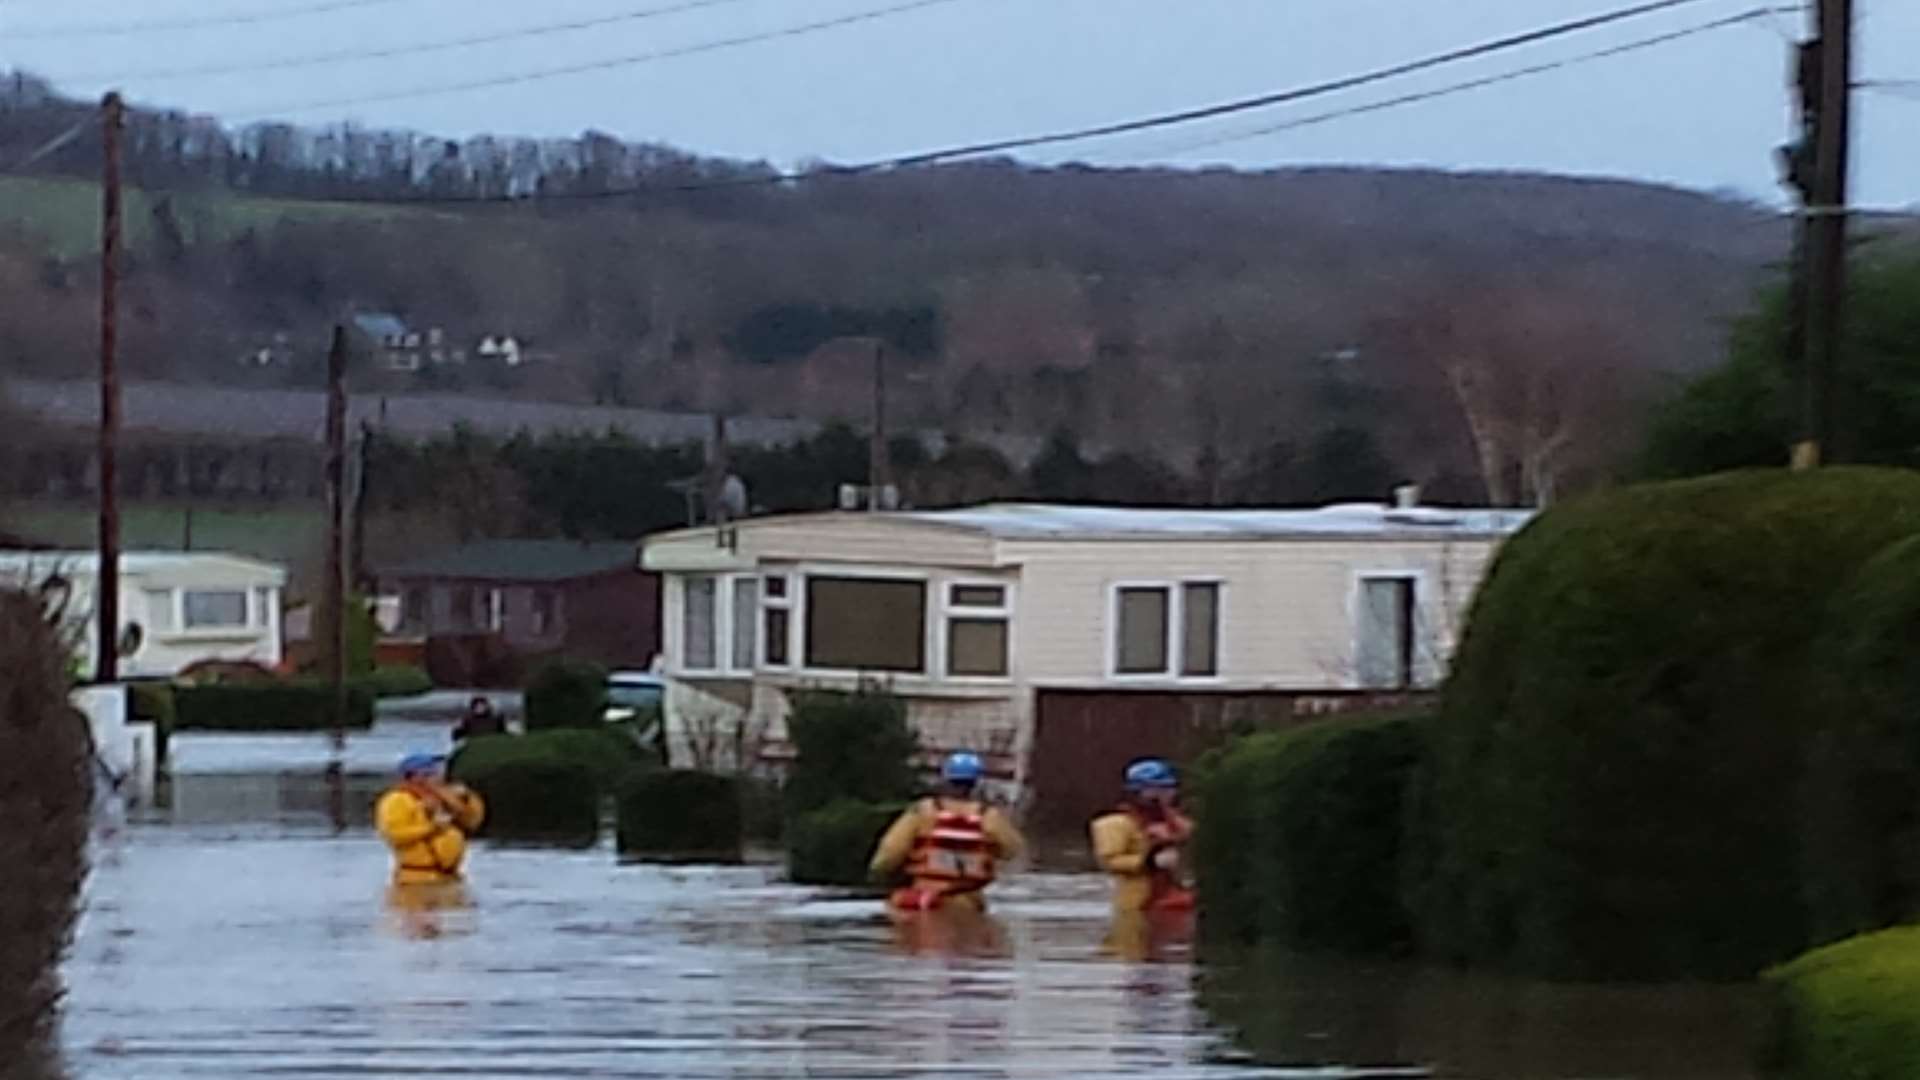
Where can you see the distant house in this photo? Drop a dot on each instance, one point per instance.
(503, 350)
(387, 337)
(587, 600)
(177, 609)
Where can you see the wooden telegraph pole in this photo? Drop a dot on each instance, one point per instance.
(879, 463)
(1826, 75)
(107, 594)
(333, 595)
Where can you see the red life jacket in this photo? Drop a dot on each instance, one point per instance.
(957, 848)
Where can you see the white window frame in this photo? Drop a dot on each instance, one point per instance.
(539, 623)
(786, 603)
(949, 611)
(930, 650)
(728, 597)
(1176, 645)
(684, 586)
(1425, 666)
(496, 609)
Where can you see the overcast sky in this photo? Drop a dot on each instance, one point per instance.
(1704, 112)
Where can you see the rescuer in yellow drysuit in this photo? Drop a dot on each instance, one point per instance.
(425, 820)
(1141, 844)
(950, 845)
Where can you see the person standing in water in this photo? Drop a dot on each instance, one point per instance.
(1141, 845)
(426, 820)
(950, 844)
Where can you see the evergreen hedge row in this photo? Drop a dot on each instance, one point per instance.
(1628, 755)
(1300, 834)
(680, 815)
(546, 785)
(267, 707)
(834, 844)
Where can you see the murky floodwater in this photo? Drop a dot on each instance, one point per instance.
(238, 935)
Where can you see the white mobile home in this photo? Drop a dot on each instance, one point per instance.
(176, 608)
(971, 615)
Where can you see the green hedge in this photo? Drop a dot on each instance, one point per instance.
(1847, 1012)
(1862, 819)
(1614, 770)
(849, 746)
(398, 680)
(536, 787)
(276, 707)
(567, 693)
(833, 845)
(1300, 839)
(680, 815)
(153, 703)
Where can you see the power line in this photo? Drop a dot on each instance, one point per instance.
(54, 144)
(1901, 88)
(197, 22)
(1159, 120)
(1472, 84)
(357, 55)
(617, 62)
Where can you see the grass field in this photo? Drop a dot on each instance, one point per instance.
(287, 535)
(66, 213)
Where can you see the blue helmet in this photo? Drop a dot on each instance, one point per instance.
(963, 767)
(1150, 773)
(416, 763)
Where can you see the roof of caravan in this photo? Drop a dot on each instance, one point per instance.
(1040, 521)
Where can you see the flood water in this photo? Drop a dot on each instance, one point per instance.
(237, 934)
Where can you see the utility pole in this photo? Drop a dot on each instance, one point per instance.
(1826, 89)
(362, 480)
(107, 602)
(333, 595)
(879, 465)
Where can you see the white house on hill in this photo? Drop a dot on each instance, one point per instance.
(976, 616)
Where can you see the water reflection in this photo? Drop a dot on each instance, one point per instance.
(1303, 1010)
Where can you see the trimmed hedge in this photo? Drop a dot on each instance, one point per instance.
(833, 845)
(849, 746)
(277, 707)
(536, 787)
(1614, 770)
(1300, 839)
(567, 694)
(1862, 847)
(1846, 1012)
(398, 680)
(153, 703)
(681, 816)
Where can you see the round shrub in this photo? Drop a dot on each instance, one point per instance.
(533, 790)
(1861, 813)
(45, 792)
(1300, 838)
(567, 694)
(833, 845)
(681, 816)
(849, 746)
(1613, 771)
(1847, 1010)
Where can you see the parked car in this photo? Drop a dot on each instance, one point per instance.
(637, 700)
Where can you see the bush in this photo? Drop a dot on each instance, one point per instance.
(1300, 841)
(1846, 1011)
(567, 693)
(1612, 776)
(153, 703)
(535, 789)
(833, 845)
(1862, 844)
(398, 680)
(849, 746)
(680, 815)
(45, 789)
(279, 707)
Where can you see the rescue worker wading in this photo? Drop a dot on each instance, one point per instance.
(426, 820)
(1141, 844)
(950, 844)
